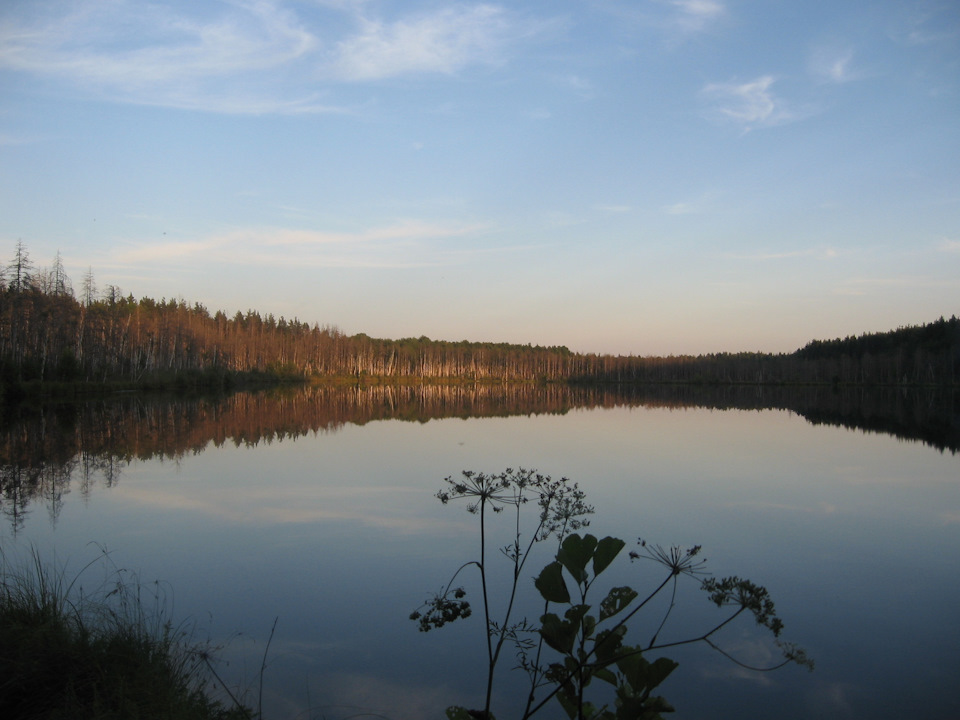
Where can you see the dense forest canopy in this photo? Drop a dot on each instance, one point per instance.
(50, 332)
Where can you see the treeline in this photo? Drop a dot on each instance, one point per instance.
(923, 355)
(50, 333)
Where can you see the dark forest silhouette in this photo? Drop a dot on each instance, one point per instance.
(51, 334)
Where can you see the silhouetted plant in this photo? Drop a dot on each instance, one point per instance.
(561, 510)
(589, 639)
(115, 653)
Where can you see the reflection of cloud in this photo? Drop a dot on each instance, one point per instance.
(266, 506)
(822, 508)
(751, 651)
(367, 694)
(830, 699)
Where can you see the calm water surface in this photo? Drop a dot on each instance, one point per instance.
(334, 530)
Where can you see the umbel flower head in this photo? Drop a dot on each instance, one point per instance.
(441, 609)
(678, 560)
(562, 506)
(480, 489)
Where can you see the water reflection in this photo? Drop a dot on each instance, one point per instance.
(315, 506)
(44, 450)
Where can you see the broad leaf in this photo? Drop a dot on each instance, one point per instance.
(558, 634)
(606, 675)
(588, 711)
(607, 550)
(551, 585)
(633, 666)
(630, 707)
(455, 712)
(575, 553)
(568, 704)
(616, 600)
(641, 675)
(589, 625)
(575, 614)
(607, 646)
(659, 670)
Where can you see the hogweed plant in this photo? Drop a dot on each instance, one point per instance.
(564, 654)
(561, 509)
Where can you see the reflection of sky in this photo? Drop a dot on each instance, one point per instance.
(339, 537)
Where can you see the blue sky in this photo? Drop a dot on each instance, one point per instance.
(647, 177)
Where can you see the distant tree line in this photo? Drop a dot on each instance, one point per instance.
(911, 356)
(52, 333)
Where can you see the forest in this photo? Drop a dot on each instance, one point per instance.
(53, 335)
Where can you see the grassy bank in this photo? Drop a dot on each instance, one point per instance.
(67, 652)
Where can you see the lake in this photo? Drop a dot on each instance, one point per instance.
(316, 508)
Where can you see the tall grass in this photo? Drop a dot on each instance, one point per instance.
(107, 654)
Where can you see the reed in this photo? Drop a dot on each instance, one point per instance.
(108, 653)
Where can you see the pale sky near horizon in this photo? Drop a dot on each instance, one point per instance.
(643, 176)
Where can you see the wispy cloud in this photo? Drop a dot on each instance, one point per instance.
(833, 66)
(404, 244)
(252, 56)
(949, 246)
(14, 140)
(694, 206)
(823, 253)
(402, 230)
(681, 208)
(931, 24)
(858, 286)
(175, 60)
(537, 114)
(578, 85)
(751, 104)
(676, 20)
(442, 42)
(694, 16)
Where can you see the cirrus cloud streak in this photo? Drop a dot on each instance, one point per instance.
(256, 57)
(404, 244)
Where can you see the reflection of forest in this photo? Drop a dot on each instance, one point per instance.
(43, 450)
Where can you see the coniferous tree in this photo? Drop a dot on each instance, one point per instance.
(61, 284)
(20, 270)
(88, 290)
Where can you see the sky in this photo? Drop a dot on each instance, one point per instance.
(646, 177)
